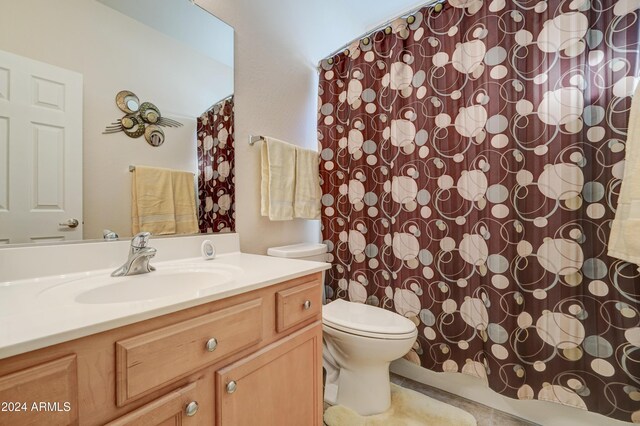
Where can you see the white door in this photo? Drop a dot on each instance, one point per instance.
(40, 151)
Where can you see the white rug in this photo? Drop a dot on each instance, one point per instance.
(408, 408)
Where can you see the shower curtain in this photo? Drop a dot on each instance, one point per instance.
(471, 163)
(216, 168)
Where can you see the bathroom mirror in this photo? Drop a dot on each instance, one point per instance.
(62, 63)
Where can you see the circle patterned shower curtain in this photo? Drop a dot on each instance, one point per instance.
(470, 162)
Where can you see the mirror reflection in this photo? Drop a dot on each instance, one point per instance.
(115, 117)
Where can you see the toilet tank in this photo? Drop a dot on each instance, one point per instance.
(303, 251)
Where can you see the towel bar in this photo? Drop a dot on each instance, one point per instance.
(132, 169)
(254, 139)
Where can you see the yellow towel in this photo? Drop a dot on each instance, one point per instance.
(162, 202)
(152, 201)
(308, 192)
(624, 240)
(184, 201)
(278, 179)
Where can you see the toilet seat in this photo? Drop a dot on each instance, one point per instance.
(369, 334)
(367, 321)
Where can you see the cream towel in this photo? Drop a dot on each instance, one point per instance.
(624, 240)
(278, 179)
(308, 192)
(163, 201)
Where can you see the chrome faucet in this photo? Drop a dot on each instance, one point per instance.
(139, 256)
(109, 235)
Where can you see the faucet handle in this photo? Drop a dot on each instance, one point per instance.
(140, 240)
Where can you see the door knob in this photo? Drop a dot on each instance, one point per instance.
(232, 386)
(71, 223)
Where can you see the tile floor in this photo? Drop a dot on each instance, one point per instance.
(486, 416)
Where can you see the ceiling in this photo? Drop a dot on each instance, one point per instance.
(183, 21)
(313, 27)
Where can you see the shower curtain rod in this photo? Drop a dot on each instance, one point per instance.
(224, 99)
(217, 102)
(383, 25)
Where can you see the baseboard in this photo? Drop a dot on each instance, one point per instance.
(542, 412)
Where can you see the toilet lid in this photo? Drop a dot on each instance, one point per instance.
(358, 317)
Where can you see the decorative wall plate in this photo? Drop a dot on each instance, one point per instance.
(149, 112)
(137, 129)
(128, 121)
(128, 102)
(154, 135)
(141, 119)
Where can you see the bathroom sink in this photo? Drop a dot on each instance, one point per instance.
(152, 286)
(174, 281)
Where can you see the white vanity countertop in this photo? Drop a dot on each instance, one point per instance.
(39, 312)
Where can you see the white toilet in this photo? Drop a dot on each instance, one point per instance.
(360, 341)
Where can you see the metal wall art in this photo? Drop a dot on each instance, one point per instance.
(140, 119)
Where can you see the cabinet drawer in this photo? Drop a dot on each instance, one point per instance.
(189, 405)
(43, 394)
(148, 361)
(298, 304)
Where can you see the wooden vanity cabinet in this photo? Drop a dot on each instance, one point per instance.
(253, 358)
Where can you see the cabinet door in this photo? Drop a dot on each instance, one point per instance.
(279, 385)
(189, 405)
(45, 394)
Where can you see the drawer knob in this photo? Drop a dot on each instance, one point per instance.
(191, 409)
(212, 344)
(232, 386)
(307, 304)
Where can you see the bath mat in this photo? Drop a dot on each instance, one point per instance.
(408, 408)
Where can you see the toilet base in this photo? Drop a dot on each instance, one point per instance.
(366, 389)
(357, 358)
